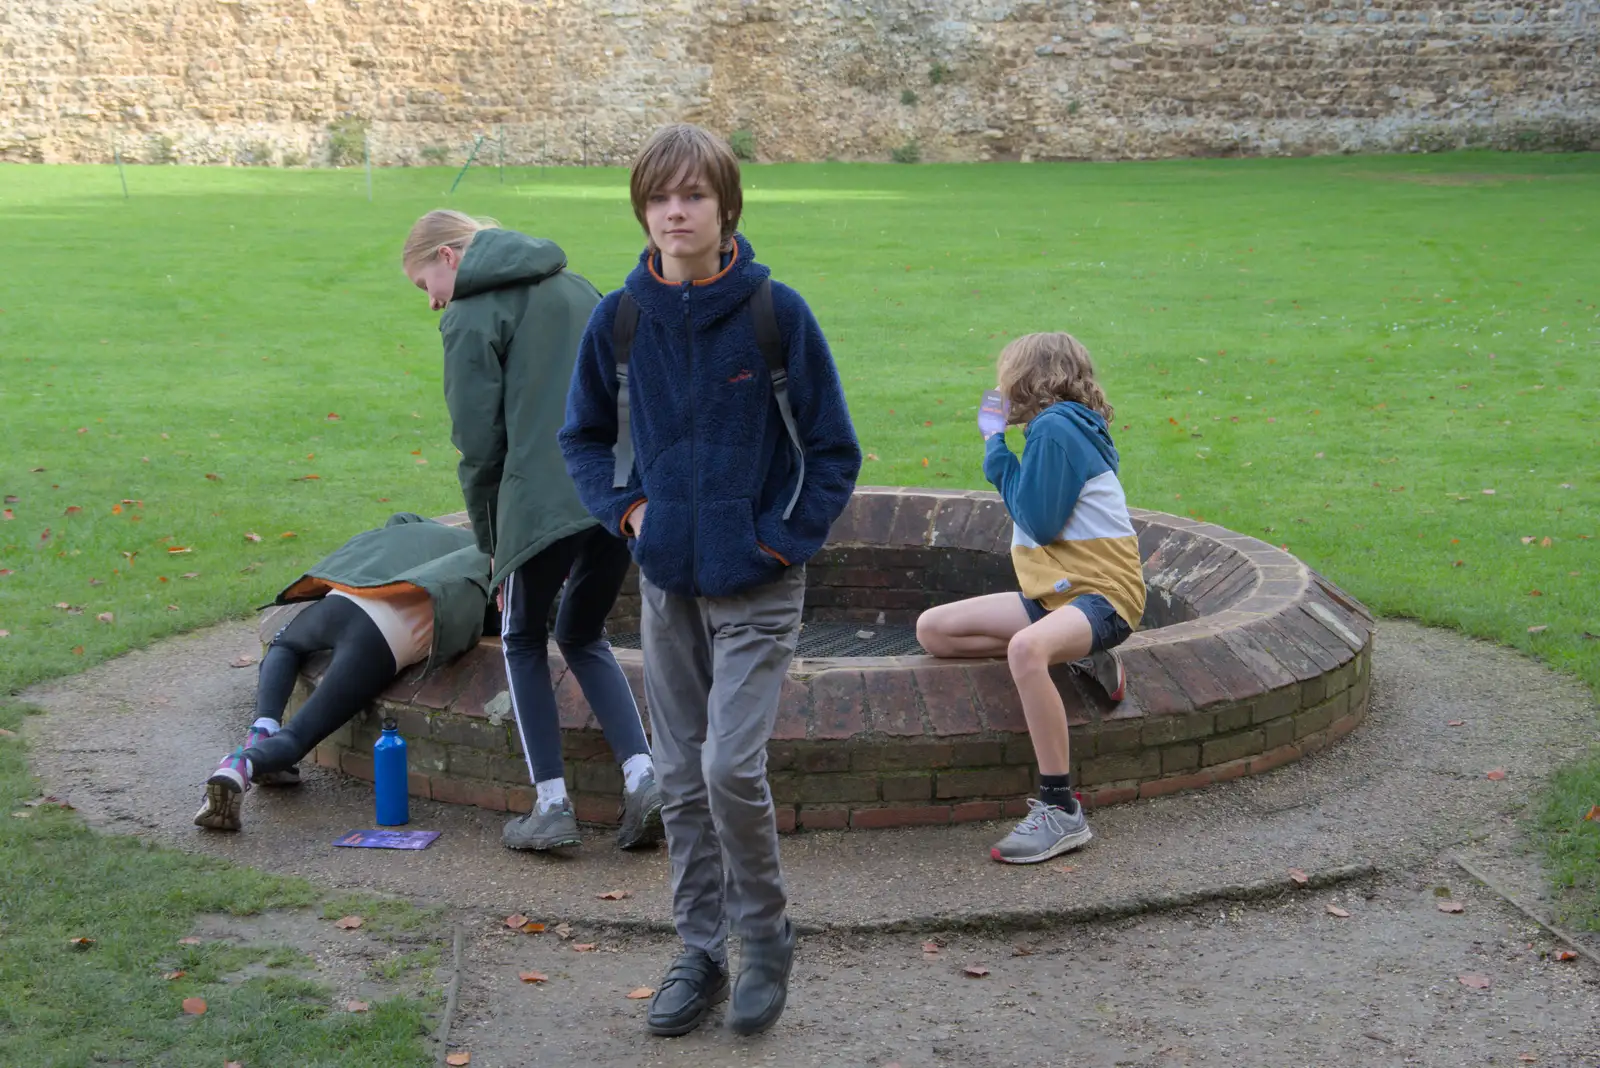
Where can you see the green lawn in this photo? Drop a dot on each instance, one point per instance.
(1389, 365)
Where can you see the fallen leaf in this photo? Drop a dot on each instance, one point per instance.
(349, 923)
(532, 977)
(1456, 723)
(872, 456)
(516, 920)
(1488, 493)
(1473, 980)
(1021, 950)
(251, 535)
(613, 895)
(74, 510)
(1496, 775)
(975, 971)
(1335, 910)
(1299, 876)
(194, 1006)
(562, 930)
(307, 478)
(5, 634)
(456, 1060)
(1459, 563)
(356, 1006)
(930, 947)
(640, 993)
(1539, 628)
(1593, 813)
(332, 416)
(1545, 543)
(176, 549)
(233, 1064)
(287, 534)
(77, 650)
(190, 574)
(1451, 906)
(12, 498)
(81, 943)
(1535, 593)
(1566, 954)
(174, 975)
(7, 515)
(190, 941)
(46, 535)
(106, 617)
(210, 476)
(116, 509)
(173, 608)
(241, 661)
(1526, 1058)
(7, 734)
(584, 947)
(1528, 540)
(533, 928)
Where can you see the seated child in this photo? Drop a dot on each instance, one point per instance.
(411, 590)
(1077, 560)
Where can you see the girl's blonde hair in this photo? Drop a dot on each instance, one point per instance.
(440, 229)
(1038, 370)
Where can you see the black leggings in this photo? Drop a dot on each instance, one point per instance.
(361, 668)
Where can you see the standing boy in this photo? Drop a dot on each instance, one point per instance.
(729, 457)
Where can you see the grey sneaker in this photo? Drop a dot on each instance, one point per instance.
(1105, 668)
(641, 815)
(556, 829)
(1045, 832)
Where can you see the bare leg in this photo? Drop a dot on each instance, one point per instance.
(1060, 637)
(977, 626)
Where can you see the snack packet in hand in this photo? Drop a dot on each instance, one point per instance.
(993, 412)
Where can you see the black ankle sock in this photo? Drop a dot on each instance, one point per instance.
(1057, 790)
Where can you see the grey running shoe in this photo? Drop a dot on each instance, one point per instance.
(1105, 668)
(556, 829)
(1045, 832)
(289, 776)
(641, 815)
(225, 792)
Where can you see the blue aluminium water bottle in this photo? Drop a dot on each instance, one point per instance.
(389, 777)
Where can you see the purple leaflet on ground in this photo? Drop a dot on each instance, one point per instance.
(388, 839)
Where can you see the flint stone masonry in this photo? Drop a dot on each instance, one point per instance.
(259, 81)
(1245, 659)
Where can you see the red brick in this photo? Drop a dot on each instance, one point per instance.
(1172, 784)
(996, 693)
(520, 798)
(907, 786)
(976, 754)
(1017, 806)
(327, 756)
(794, 711)
(485, 795)
(813, 759)
(356, 765)
(891, 701)
(1345, 626)
(1263, 634)
(1109, 795)
(443, 685)
(1262, 663)
(1198, 684)
(838, 787)
(418, 785)
(1345, 724)
(987, 523)
(784, 814)
(947, 696)
(1203, 595)
(912, 521)
(1158, 694)
(874, 516)
(591, 808)
(919, 815)
(404, 686)
(1184, 756)
(1274, 758)
(983, 782)
(823, 819)
(1235, 676)
(950, 518)
(1229, 747)
(974, 811)
(1313, 639)
(1233, 769)
(836, 704)
(1145, 764)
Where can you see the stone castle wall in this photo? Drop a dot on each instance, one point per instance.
(261, 81)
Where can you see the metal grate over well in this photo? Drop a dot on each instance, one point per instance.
(835, 639)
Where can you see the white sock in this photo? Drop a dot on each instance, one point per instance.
(551, 793)
(266, 723)
(633, 770)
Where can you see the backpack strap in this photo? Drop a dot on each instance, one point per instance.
(770, 341)
(623, 328)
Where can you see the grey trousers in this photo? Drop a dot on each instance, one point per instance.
(713, 672)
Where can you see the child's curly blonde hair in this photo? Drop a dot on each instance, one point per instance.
(1038, 370)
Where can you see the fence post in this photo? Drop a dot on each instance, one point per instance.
(116, 154)
(470, 157)
(366, 155)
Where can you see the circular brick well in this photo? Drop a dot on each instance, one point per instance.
(1245, 659)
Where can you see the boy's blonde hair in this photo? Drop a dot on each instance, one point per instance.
(686, 150)
(1038, 370)
(439, 229)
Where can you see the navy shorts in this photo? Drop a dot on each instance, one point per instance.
(1109, 629)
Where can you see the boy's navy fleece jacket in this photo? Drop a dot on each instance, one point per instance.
(711, 455)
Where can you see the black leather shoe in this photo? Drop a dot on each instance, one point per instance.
(691, 986)
(763, 985)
